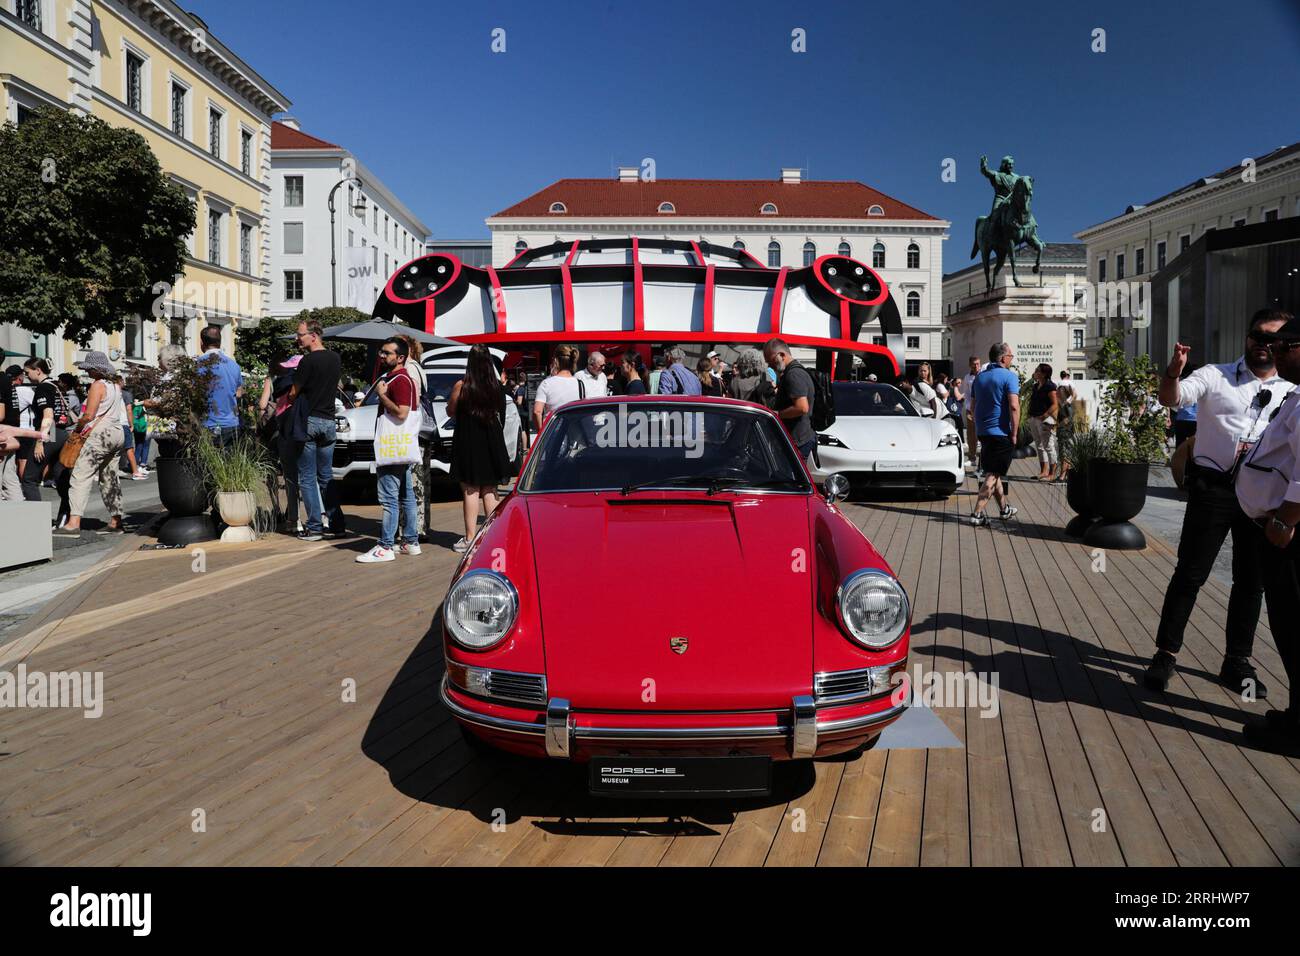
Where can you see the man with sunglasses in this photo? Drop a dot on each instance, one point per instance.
(315, 383)
(1268, 489)
(1234, 402)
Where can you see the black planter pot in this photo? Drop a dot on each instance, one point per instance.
(182, 491)
(1116, 492)
(1076, 495)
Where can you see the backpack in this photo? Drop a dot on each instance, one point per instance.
(823, 410)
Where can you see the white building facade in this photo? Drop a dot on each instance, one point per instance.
(304, 170)
(782, 222)
(1133, 246)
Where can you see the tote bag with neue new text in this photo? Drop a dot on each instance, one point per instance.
(397, 443)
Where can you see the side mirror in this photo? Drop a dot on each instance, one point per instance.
(835, 488)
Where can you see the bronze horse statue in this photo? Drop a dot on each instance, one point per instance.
(1010, 226)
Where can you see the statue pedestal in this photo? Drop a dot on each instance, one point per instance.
(1034, 320)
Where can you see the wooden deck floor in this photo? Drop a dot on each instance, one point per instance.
(224, 703)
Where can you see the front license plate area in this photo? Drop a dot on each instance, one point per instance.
(898, 466)
(680, 776)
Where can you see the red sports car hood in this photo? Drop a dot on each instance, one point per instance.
(675, 601)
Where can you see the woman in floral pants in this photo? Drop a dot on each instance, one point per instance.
(100, 422)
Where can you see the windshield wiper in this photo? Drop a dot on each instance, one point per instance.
(715, 482)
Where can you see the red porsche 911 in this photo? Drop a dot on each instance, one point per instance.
(757, 622)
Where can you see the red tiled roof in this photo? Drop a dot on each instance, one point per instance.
(286, 137)
(710, 198)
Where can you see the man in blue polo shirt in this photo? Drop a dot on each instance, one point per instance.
(995, 407)
(226, 384)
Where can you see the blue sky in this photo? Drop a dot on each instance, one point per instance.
(884, 93)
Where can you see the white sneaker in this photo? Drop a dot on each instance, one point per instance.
(461, 546)
(408, 548)
(376, 554)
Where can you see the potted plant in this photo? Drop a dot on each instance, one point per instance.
(1079, 451)
(1133, 427)
(236, 475)
(179, 402)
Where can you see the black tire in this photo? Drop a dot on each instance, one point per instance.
(943, 492)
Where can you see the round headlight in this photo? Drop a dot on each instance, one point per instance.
(480, 608)
(872, 608)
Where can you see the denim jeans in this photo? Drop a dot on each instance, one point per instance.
(225, 435)
(397, 490)
(315, 468)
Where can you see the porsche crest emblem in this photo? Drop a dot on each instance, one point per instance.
(678, 645)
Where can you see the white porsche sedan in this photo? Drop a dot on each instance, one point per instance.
(880, 440)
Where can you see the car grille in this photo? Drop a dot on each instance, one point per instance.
(347, 452)
(528, 688)
(839, 683)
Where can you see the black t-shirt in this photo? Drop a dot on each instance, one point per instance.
(45, 396)
(1041, 399)
(10, 400)
(317, 378)
(797, 383)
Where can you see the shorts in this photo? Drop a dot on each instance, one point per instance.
(996, 454)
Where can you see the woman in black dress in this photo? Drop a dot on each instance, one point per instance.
(634, 373)
(478, 451)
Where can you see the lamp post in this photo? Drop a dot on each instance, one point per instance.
(358, 208)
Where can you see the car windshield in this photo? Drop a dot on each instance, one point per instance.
(440, 384)
(627, 446)
(855, 399)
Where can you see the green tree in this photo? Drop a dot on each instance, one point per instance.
(88, 225)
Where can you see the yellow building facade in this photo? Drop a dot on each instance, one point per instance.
(150, 66)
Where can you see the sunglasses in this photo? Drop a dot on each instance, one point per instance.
(1284, 346)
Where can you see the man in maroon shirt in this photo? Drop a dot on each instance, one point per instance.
(396, 394)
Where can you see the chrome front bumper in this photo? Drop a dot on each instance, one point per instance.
(803, 731)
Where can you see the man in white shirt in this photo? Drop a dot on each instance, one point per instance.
(593, 379)
(1268, 490)
(1234, 402)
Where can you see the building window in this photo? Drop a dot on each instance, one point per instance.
(24, 114)
(1160, 255)
(913, 256)
(1101, 269)
(293, 285)
(293, 238)
(178, 109)
(1270, 215)
(245, 248)
(913, 341)
(352, 239)
(246, 152)
(878, 256)
(809, 253)
(214, 237)
(738, 246)
(386, 268)
(558, 208)
(293, 191)
(1078, 338)
(520, 246)
(133, 336)
(1184, 241)
(214, 132)
(667, 208)
(845, 250)
(1238, 223)
(877, 340)
(913, 305)
(134, 82)
(1119, 267)
(385, 227)
(875, 210)
(774, 254)
(769, 209)
(29, 11)
(1139, 261)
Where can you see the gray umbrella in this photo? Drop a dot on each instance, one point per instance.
(376, 330)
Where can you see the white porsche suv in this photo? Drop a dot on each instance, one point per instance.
(354, 448)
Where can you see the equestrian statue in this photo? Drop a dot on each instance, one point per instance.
(1010, 224)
